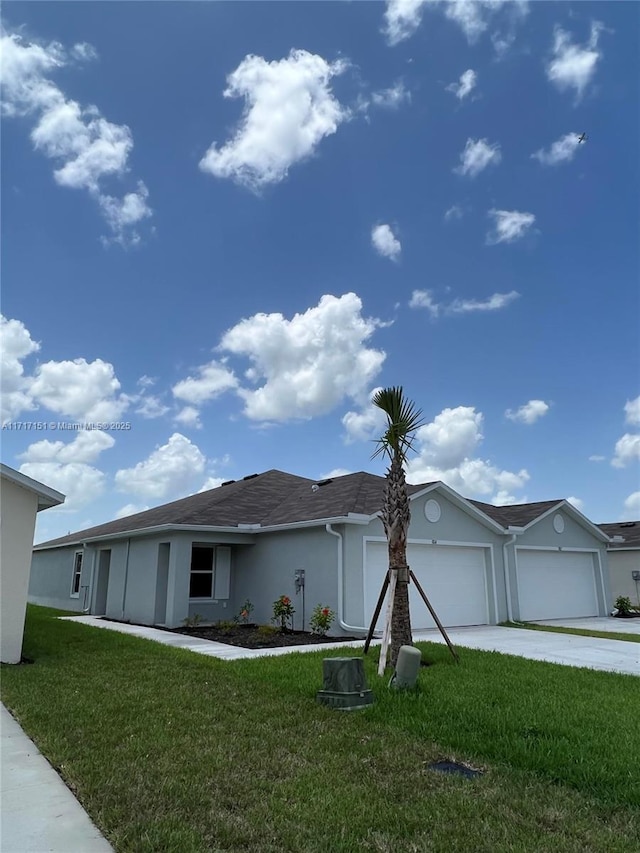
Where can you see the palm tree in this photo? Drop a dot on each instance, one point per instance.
(403, 419)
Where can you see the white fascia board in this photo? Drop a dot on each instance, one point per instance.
(571, 510)
(462, 503)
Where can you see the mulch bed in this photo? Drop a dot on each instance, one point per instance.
(247, 637)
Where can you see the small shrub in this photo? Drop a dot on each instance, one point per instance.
(321, 620)
(245, 612)
(623, 604)
(267, 630)
(283, 612)
(225, 625)
(192, 621)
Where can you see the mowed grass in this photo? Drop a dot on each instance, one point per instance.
(581, 632)
(173, 751)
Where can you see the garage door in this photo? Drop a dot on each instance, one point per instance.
(556, 585)
(452, 577)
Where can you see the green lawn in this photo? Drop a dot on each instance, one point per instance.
(173, 751)
(582, 632)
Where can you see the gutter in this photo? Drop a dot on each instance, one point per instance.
(505, 567)
(343, 624)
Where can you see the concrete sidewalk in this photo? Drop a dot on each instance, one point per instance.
(566, 649)
(39, 814)
(612, 624)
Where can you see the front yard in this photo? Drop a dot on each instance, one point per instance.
(172, 751)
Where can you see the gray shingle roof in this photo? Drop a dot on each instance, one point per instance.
(629, 530)
(517, 515)
(277, 498)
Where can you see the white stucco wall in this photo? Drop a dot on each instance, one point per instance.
(18, 507)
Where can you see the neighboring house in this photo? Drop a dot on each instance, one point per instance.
(624, 559)
(20, 499)
(208, 553)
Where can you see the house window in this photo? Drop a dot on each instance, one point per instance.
(202, 563)
(77, 572)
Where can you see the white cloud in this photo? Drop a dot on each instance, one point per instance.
(335, 472)
(80, 483)
(85, 448)
(573, 66)
(596, 458)
(129, 509)
(578, 503)
(391, 98)
(289, 109)
(15, 345)
(493, 303)
(403, 17)
(211, 483)
(213, 379)
(87, 146)
(454, 212)
(632, 411)
(445, 452)
(385, 242)
(627, 450)
(366, 424)
(632, 507)
(529, 413)
(172, 469)
(84, 52)
(150, 406)
(503, 498)
(509, 225)
(189, 416)
(310, 363)
(425, 299)
(477, 155)
(465, 85)
(79, 389)
(561, 151)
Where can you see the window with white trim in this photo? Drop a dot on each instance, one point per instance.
(77, 573)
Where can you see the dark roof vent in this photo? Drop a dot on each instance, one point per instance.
(324, 482)
(227, 482)
(628, 524)
(250, 477)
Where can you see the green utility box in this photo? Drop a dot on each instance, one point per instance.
(345, 684)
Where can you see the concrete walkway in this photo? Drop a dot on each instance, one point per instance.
(567, 649)
(39, 814)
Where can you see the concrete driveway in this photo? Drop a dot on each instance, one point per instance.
(567, 649)
(598, 623)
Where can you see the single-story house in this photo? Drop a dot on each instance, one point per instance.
(322, 542)
(20, 499)
(624, 559)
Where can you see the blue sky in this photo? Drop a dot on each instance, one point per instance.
(225, 224)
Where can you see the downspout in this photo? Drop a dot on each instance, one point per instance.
(343, 624)
(87, 609)
(507, 582)
(126, 577)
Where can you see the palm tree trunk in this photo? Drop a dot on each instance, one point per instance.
(396, 516)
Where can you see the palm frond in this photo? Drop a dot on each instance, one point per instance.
(403, 419)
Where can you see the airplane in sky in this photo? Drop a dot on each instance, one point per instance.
(582, 138)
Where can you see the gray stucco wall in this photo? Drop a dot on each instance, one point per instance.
(454, 525)
(51, 577)
(266, 571)
(621, 564)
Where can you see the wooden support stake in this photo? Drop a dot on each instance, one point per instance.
(386, 637)
(376, 612)
(434, 615)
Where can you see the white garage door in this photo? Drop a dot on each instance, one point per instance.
(453, 579)
(556, 585)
